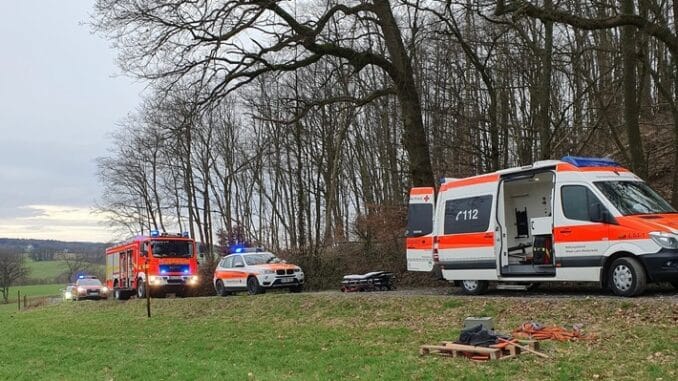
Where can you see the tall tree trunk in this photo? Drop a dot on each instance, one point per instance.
(630, 94)
(414, 137)
(545, 106)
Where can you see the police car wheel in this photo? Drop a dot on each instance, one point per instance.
(473, 287)
(219, 286)
(626, 277)
(253, 287)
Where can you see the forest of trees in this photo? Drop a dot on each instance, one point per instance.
(288, 121)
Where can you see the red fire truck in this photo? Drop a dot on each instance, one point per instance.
(169, 261)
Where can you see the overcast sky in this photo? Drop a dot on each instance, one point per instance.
(61, 95)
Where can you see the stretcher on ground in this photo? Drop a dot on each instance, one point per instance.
(372, 281)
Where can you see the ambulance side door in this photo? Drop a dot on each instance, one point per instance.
(580, 241)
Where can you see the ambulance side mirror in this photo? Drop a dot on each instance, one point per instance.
(597, 213)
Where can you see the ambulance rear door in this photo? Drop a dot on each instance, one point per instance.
(419, 233)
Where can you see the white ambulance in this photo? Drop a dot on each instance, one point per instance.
(577, 219)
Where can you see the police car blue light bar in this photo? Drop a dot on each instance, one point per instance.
(579, 161)
(155, 233)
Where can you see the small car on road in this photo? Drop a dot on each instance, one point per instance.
(87, 288)
(255, 271)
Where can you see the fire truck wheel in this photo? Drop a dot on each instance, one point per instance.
(221, 290)
(253, 287)
(141, 289)
(626, 277)
(473, 287)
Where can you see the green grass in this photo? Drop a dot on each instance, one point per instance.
(38, 290)
(322, 337)
(45, 269)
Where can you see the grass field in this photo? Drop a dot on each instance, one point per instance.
(45, 269)
(322, 337)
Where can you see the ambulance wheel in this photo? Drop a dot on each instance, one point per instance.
(473, 287)
(626, 277)
(253, 287)
(141, 289)
(219, 287)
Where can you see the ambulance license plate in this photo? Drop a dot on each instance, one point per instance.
(287, 280)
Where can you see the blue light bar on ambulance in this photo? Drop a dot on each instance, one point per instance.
(579, 161)
(155, 233)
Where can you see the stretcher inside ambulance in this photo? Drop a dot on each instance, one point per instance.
(577, 219)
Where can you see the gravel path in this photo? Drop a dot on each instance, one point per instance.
(553, 291)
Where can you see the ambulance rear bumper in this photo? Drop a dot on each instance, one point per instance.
(662, 266)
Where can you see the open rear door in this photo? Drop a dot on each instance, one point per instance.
(419, 231)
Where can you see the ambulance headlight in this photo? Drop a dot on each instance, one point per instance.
(268, 272)
(665, 240)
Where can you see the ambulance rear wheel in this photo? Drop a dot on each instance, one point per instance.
(626, 277)
(474, 287)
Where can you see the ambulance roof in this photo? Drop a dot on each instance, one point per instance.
(566, 164)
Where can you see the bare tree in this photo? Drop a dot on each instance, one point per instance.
(12, 269)
(225, 45)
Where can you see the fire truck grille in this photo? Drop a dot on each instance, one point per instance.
(280, 272)
(165, 269)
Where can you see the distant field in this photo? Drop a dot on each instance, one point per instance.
(329, 337)
(45, 269)
(35, 291)
(49, 270)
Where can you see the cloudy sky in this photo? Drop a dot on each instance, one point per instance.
(61, 95)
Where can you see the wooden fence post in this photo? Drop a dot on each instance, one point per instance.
(18, 300)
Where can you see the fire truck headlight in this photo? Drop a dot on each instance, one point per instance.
(193, 279)
(104, 289)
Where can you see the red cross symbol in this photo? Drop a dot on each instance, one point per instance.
(426, 198)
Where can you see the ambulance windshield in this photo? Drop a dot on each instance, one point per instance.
(172, 249)
(634, 197)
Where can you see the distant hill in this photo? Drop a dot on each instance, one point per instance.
(44, 250)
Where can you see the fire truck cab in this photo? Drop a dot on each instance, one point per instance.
(168, 262)
(577, 219)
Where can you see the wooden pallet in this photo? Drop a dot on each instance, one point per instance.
(494, 352)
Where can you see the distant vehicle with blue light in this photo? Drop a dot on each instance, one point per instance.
(167, 261)
(576, 219)
(255, 270)
(86, 287)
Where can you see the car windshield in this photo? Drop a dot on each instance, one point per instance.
(89, 282)
(634, 197)
(260, 259)
(172, 249)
